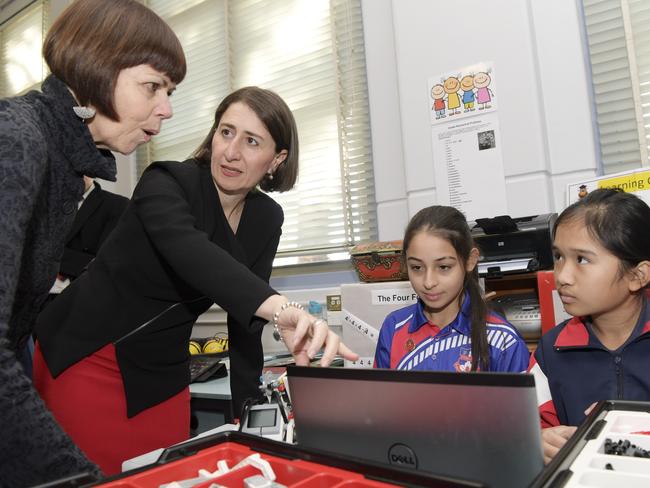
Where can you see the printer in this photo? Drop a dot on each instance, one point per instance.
(511, 246)
(514, 245)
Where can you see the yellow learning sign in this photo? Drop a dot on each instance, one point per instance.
(630, 183)
(635, 181)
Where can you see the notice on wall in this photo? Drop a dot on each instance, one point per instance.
(391, 296)
(465, 139)
(635, 181)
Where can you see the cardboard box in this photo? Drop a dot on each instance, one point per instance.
(364, 308)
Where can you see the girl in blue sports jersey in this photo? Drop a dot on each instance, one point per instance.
(449, 328)
(601, 246)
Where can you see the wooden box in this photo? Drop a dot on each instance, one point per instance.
(378, 261)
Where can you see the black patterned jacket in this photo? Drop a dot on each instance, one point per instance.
(44, 151)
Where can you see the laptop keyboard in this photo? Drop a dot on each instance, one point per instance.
(204, 367)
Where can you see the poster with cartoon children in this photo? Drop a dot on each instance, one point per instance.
(466, 144)
(462, 93)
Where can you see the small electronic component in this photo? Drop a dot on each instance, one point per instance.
(624, 448)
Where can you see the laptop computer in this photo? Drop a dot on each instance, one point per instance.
(475, 426)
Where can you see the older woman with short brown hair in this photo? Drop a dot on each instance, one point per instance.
(114, 65)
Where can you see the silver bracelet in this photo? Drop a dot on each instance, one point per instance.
(276, 329)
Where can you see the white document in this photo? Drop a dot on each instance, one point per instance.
(466, 141)
(469, 167)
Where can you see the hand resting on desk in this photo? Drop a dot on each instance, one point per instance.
(553, 438)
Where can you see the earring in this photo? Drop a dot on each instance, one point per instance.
(269, 176)
(84, 112)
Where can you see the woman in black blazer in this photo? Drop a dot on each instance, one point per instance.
(112, 356)
(95, 220)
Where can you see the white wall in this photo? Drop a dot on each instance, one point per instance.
(538, 54)
(537, 51)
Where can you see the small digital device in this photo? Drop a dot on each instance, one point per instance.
(264, 420)
(522, 311)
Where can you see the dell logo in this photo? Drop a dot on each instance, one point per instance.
(402, 455)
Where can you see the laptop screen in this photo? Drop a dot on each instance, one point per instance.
(476, 426)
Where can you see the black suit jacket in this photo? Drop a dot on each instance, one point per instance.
(170, 257)
(96, 218)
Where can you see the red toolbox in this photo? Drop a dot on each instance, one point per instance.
(293, 466)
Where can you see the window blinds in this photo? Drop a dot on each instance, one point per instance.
(640, 24)
(200, 26)
(311, 53)
(619, 43)
(21, 39)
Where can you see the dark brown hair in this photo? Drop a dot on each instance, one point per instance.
(449, 223)
(278, 120)
(93, 40)
(617, 220)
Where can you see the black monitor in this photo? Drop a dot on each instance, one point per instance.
(476, 426)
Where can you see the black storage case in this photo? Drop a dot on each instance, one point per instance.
(582, 462)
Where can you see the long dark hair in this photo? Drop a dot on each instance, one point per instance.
(450, 224)
(619, 221)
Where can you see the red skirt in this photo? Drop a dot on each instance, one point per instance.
(88, 401)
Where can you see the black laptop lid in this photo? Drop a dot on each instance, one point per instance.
(481, 426)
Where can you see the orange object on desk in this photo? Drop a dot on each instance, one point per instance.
(550, 306)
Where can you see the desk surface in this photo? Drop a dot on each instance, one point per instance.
(218, 389)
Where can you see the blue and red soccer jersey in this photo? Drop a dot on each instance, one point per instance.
(408, 341)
